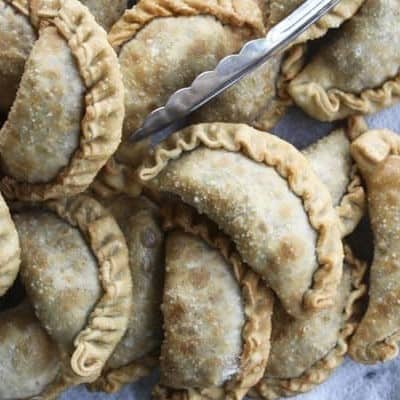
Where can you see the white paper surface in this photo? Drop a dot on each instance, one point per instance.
(351, 381)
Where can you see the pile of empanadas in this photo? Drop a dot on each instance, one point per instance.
(223, 257)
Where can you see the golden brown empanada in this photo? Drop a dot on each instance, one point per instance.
(137, 353)
(76, 273)
(67, 115)
(331, 159)
(29, 359)
(377, 154)
(264, 194)
(217, 314)
(164, 44)
(356, 69)
(10, 252)
(305, 352)
(106, 11)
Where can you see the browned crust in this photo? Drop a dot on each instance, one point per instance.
(229, 12)
(258, 304)
(102, 122)
(10, 251)
(291, 165)
(295, 56)
(274, 388)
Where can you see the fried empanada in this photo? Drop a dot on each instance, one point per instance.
(76, 273)
(356, 70)
(29, 359)
(377, 154)
(264, 194)
(67, 115)
(331, 159)
(304, 353)
(106, 12)
(217, 314)
(164, 45)
(137, 353)
(10, 252)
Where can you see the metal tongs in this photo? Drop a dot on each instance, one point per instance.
(166, 120)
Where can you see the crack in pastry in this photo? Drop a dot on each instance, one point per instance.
(164, 45)
(304, 353)
(377, 154)
(75, 271)
(106, 12)
(137, 354)
(29, 358)
(356, 70)
(217, 314)
(331, 159)
(67, 115)
(10, 252)
(264, 194)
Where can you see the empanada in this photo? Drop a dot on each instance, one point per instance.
(304, 353)
(331, 159)
(356, 69)
(137, 353)
(67, 115)
(164, 45)
(76, 273)
(217, 314)
(10, 252)
(377, 154)
(29, 359)
(106, 12)
(264, 194)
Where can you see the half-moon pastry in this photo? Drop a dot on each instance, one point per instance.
(67, 115)
(164, 45)
(10, 252)
(217, 314)
(75, 271)
(264, 194)
(304, 353)
(356, 70)
(29, 358)
(331, 159)
(137, 353)
(106, 12)
(377, 154)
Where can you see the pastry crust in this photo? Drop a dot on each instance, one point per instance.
(377, 154)
(313, 370)
(106, 12)
(257, 301)
(332, 162)
(10, 252)
(155, 36)
(100, 130)
(175, 168)
(344, 77)
(108, 320)
(137, 354)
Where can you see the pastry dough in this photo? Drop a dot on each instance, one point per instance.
(357, 69)
(264, 194)
(377, 154)
(332, 162)
(137, 353)
(106, 11)
(217, 314)
(75, 270)
(29, 359)
(164, 44)
(67, 115)
(10, 252)
(304, 353)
